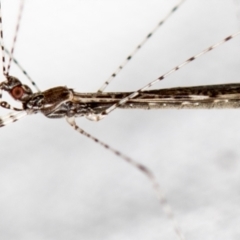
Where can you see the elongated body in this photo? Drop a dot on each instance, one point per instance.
(61, 101)
(212, 96)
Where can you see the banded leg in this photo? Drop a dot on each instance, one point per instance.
(12, 49)
(101, 115)
(124, 63)
(6, 105)
(11, 117)
(2, 43)
(151, 177)
(24, 71)
(15, 36)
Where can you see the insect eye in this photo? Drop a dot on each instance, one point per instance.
(17, 92)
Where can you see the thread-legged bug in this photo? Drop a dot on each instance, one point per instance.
(171, 149)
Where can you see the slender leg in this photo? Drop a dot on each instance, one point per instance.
(151, 177)
(11, 117)
(15, 36)
(101, 115)
(140, 45)
(24, 72)
(6, 105)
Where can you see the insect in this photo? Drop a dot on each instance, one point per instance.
(70, 153)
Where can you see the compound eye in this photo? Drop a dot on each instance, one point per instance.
(17, 92)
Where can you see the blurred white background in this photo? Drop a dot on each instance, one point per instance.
(56, 184)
